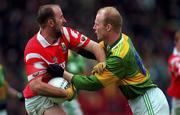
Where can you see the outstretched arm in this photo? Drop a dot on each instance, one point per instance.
(95, 49)
(92, 82)
(13, 92)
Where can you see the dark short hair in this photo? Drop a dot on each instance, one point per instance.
(45, 12)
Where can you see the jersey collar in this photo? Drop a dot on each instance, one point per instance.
(117, 42)
(43, 41)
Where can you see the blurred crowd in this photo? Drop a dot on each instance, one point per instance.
(150, 23)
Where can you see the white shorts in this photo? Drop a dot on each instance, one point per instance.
(153, 102)
(38, 104)
(175, 110)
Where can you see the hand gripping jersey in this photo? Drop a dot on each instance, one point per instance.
(39, 54)
(124, 68)
(174, 68)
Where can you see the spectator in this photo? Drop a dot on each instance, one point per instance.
(174, 68)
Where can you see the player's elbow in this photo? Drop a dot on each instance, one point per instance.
(35, 86)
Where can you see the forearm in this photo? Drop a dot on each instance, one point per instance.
(95, 49)
(68, 76)
(99, 53)
(90, 83)
(42, 88)
(86, 54)
(81, 82)
(12, 92)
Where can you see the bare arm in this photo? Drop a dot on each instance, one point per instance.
(68, 76)
(42, 88)
(13, 92)
(94, 48)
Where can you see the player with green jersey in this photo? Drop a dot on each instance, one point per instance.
(5, 90)
(123, 67)
(75, 65)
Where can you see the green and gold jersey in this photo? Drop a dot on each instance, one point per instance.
(1, 76)
(3, 86)
(124, 68)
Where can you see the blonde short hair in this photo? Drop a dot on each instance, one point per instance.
(113, 17)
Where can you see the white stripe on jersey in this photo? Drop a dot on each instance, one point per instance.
(65, 31)
(32, 76)
(39, 65)
(36, 55)
(175, 60)
(75, 35)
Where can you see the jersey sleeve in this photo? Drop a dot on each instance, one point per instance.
(97, 81)
(75, 39)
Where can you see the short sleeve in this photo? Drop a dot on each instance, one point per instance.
(75, 39)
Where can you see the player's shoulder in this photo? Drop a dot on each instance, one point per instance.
(32, 43)
(69, 33)
(67, 30)
(121, 48)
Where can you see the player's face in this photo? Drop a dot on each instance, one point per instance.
(59, 21)
(99, 27)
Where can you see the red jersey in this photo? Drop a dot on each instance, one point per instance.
(174, 68)
(39, 54)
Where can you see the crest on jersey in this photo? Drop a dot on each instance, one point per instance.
(83, 38)
(55, 60)
(63, 46)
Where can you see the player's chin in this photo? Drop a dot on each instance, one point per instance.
(99, 39)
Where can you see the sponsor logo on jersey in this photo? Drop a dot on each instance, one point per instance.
(39, 73)
(35, 74)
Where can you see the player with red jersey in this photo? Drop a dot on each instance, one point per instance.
(50, 46)
(174, 68)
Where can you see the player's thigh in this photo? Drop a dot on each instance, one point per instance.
(156, 102)
(153, 102)
(55, 110)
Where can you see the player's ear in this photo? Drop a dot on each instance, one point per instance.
(108, 27)
(51, 22)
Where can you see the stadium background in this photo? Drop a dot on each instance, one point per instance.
(150, 23)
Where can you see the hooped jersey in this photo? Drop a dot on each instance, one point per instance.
(174, 69)
(124, 68)
(39, 54)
